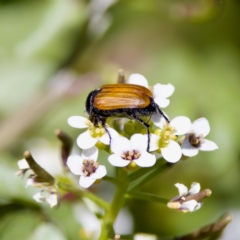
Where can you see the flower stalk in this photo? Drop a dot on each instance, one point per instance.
(116, 205)
(87, 194)
(41, 175)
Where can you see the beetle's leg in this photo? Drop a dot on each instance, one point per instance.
(103, 123)
(161, 112)
(110, 138)
(149, 119)
(146, 125)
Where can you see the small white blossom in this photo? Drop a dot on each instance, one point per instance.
(93, 134)
(181, 203)
(160, 91)
(131, 151)
(49, 195)
(195, 138)
(87, 167)
(138, 79)
(164, 138)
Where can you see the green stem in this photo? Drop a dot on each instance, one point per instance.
(151, 175)
(116, 205)
(146, 196)
(142, 171)
(80, 193)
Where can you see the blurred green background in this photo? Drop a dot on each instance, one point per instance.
(52, 53)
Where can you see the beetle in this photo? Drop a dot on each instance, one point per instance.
(121, 100)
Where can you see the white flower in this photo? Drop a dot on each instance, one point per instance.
(181, 202)
(49, 195)
(131, 151)
(87, 167)
(160, 91)
(165, 137)
(195, 140)
(93, 134)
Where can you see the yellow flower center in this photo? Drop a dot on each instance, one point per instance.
(166, 134)
(96, 132)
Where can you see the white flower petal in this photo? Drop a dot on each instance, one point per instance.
(138, 142)
(52, 199)
(23, 164)
(154, 139)
(159, 120)
(181, 124)
(146, 160)
(78, 122)
(161, 102)
(198, 206)
(100, 172)
(195, 188)
(38, 197)
(208, 145)
(30, 182)
(120, 145)
(86, 181)
(74, 163)
(117, 161)
(201, 126)
(172, 152)
(187, 148)
(90, 154)
(163, 90)
(182, 189)
(85, 140)
(138, 79)
(105, 137)
(189, 205)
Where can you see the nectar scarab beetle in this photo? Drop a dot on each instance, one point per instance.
(121, 100)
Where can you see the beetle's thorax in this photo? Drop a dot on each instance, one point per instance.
(90, 100)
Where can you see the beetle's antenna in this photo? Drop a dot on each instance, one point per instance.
(149, 119)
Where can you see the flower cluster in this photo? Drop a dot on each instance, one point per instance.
(135, 144)
(171, 139)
